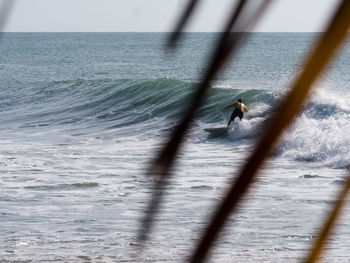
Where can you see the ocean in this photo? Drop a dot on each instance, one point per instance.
(83, 114)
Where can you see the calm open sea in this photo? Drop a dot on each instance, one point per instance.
(81, 115)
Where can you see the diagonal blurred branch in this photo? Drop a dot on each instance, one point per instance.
(329, 224)
(228, 43)
(286, 112)
(174, 37)
(5, 10)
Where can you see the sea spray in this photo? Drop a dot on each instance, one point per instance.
(321, 133)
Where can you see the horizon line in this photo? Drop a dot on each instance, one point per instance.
(166, 32)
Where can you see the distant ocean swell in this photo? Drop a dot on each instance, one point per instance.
(320, 134)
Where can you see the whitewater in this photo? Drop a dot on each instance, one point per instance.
(83, 114)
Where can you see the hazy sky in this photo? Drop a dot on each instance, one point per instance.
(158, 15)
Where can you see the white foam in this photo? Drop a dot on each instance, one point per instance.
(258, 109)
(222, 86)
(324, 140)
(321, 96)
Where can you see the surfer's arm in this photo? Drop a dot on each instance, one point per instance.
(227, 107)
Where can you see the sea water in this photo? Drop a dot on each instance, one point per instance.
(83, 114)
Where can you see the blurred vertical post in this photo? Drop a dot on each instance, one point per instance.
(5, 9)
(188, 11)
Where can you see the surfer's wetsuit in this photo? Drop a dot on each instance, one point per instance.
(236, 113)
(239, 109)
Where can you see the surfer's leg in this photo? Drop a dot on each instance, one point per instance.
(240, 115)
(232, 118)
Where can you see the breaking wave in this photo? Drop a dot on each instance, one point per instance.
(320, 134)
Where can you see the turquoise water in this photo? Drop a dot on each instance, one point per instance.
(82, 114)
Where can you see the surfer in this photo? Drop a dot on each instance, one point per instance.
(239, 110)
